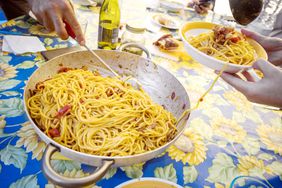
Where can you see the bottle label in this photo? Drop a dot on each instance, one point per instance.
(108, 35)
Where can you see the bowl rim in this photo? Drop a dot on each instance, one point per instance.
(183, 31)
(155, 179)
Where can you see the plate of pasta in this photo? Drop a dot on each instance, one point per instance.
(218, 47)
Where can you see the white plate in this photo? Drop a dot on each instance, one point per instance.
(175, 25)
(171, 5)
(154, 182)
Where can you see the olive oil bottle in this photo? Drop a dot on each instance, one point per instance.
(109, 21)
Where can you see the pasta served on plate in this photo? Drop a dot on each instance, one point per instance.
(226, 44)
(105, 116)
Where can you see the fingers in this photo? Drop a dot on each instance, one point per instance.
(265, 67)
(53, 13)
(38, 17)
(59, 27)
(268, 43)
(257, 37)
(248, 76)
(47, 22)
(72, 21)
(236, 82)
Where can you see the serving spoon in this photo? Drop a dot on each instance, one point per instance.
(136, 85)
(72, 35)
(245, 11)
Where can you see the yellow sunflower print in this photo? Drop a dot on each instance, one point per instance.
(207, 74)
(8, 23)
(228, 129)
(7, 71)
(74, 173)
(251, 166)
(2, 122)
(238, 100)
(218, 185)
(189, 148)
(39, 60)
(242, 105)
(276, 122)
(30, 140)
(211, 112)
(197, 88)
(200, 126)
(240, 118)
(40, 30)
(194, 94)
(271, 137)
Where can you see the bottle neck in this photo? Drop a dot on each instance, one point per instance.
(111, 8)
(111, 2)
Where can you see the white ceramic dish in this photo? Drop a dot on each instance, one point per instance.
(148, 183)
(195, 28)
(175, 24)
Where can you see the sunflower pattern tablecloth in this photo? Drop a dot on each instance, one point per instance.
(230, 141)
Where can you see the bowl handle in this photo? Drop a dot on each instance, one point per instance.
(136, 45)
(60, 180)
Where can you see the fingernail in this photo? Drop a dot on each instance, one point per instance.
(82, 42)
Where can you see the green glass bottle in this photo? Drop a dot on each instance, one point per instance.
(109, 21)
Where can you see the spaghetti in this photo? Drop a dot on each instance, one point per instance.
(99, 115)
(226, 44)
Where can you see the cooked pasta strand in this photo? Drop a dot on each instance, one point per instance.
(100, 115)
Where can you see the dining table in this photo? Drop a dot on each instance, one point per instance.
(232, 141)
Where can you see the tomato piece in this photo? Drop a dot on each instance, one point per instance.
(63, 111)
(64, 69)
(235, 39)
(54, 132)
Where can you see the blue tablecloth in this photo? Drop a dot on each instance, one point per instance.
(230, 137)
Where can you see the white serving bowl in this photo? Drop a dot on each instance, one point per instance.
(195, 28)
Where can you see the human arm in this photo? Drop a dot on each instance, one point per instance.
(53, 13)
